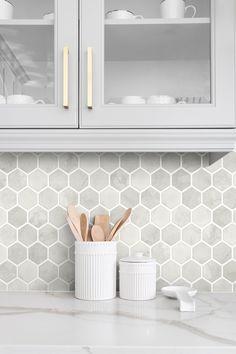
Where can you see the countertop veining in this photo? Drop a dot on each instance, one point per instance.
(58, 323)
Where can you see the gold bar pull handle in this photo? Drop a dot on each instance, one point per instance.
(66, 77)
(90, 78)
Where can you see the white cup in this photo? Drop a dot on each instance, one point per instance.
(6, 10)
(175, 9)
(22, 99)
(132, 100)
(2, 100)
(161, 99)
(122, 15)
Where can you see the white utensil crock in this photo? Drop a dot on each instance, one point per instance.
(6, 10)
(95, 270)
(137, 278)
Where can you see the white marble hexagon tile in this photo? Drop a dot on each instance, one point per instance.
(184, 215)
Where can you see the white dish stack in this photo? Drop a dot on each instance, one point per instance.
(95, 270)
(137, 278)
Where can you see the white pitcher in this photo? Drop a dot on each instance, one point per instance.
(6, 10)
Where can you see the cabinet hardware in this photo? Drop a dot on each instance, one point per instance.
(66, 77)
(90, 78)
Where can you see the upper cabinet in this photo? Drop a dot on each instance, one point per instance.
(156, 64)
(38, 64)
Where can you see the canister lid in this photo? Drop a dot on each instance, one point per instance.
(137, 258)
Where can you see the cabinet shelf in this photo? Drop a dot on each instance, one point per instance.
(157, 39)
(19, 22)
(159, 21)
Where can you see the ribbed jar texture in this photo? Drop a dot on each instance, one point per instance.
(137, 281)
(95, 270)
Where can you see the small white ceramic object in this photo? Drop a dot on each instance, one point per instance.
(175, 9)
(3, 100)
(161, 99)
(184, 294)
(171, 291)
(49, 16)
(137, 278)
(6, 10)
(22, 99)
(95, 270)
(132, 100)
(122, 15)
(186, 302)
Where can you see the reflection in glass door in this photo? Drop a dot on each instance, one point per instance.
(157, 52)
(27, 68)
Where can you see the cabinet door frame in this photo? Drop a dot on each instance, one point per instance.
(55, 115)
(219, 114)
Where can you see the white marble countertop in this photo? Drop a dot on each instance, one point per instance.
(58, 323)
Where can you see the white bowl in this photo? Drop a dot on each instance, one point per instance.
(133, 100)
(3, 100)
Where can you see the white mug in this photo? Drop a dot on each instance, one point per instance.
(132, 100)
(6, 10)
(22, 99)
(2, 100)
(161, 99)
(175, 9)
(122, 15)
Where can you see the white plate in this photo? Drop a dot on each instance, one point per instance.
(171, 291)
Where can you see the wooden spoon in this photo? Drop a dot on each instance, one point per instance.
(74, 218)
(97, 234)
(74, 231)
(119, 224)
(103, 221)
(84, 226)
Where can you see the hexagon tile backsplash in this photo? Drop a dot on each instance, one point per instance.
(184, 215)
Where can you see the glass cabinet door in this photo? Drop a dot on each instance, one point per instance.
(38, 63)
(159, 63)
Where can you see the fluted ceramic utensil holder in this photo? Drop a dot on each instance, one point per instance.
(95, 270)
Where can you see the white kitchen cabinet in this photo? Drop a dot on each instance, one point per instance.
(79, 67)
(191, 60)
(38, 65)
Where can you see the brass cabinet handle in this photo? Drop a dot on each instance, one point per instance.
(90, 77)
(66, 77)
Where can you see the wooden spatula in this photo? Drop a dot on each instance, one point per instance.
(97, 234)
(103, 222)
(74, 231)
(84, 226)
(119, 224)
(74, 218)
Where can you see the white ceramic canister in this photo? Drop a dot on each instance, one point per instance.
(95, 270)
(137, 278)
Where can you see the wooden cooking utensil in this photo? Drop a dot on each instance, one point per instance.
(74, 231)
(97, 234)
(84, 226)
(103, 222)
(74, 218)
(119, 224)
